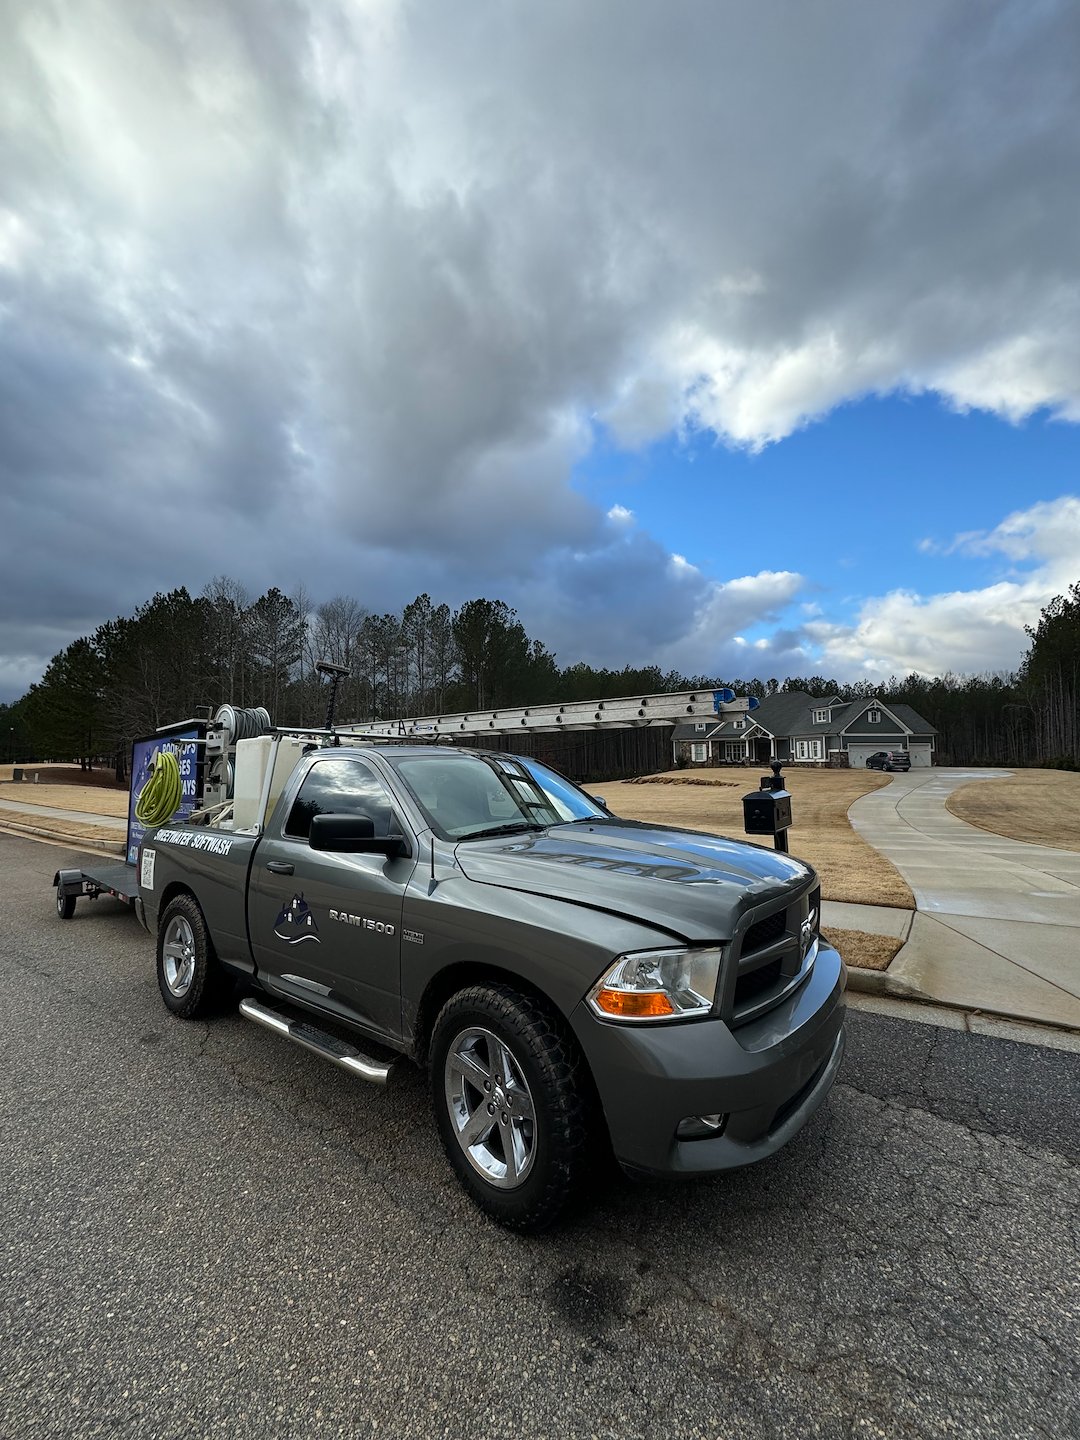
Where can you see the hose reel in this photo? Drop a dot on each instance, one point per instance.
(241, 724)
(236, 724)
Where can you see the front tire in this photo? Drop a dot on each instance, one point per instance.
(65, 904)
(513, 1103)
(188, 972)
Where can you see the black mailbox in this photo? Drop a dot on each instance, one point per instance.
(767, 811)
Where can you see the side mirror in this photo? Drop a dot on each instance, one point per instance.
(599, 800)
(354, 835)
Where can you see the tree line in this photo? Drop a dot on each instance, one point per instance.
(179, 652)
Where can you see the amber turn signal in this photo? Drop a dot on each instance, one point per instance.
(634, 1005)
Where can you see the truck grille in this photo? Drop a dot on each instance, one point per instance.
(764, 932)
(756, 982)
(770, 960)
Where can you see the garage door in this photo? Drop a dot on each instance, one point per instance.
(920, 754)
(858, 754)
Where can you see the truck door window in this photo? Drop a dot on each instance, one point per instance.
(341, 787)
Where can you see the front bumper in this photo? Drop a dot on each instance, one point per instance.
(768, 1077)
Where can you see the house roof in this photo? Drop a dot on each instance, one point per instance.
(912, 719)
(778, 713)
(791, 712)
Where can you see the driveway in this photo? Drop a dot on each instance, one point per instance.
(998, 923)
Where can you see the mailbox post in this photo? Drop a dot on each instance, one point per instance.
(767, 810)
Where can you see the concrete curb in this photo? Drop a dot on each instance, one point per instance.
(884, 985)
(880, 982)
(60, 837)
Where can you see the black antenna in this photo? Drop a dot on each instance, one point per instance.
(336, 674)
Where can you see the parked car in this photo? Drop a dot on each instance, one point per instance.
(889, 760)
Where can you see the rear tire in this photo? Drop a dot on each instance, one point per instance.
(189, 975)
(513, 1101)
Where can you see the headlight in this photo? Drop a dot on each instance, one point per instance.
(658, 985)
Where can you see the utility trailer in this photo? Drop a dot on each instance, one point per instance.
(118, 880)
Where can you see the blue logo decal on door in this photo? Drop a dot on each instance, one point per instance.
(296, 923)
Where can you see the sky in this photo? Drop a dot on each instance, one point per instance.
(739, 339)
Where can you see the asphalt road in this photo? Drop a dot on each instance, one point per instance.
(206, 1231)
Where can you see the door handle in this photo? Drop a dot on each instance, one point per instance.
(280, 867)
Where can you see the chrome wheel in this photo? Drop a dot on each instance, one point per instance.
(178, 956)
(491, 1107)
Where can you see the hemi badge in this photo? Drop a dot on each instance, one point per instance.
(414, 935)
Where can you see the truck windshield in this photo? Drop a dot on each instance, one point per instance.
(465, 798)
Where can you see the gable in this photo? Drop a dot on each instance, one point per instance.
(860, 722)
(688, 730)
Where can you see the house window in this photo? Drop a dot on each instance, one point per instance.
(700, 727)
(873, 717)
(738, 724)
(822, 717)
(697, 753)
(810, 749)
(734, 750)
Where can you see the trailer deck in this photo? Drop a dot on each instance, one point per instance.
(119, 880)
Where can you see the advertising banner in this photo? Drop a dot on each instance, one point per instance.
(182, 743)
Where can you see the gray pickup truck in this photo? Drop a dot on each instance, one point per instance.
(569, 978)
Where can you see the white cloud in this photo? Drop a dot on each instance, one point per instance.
(965, 631)
(1047, 533)
(712, 636)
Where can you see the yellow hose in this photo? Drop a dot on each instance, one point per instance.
(161, 795)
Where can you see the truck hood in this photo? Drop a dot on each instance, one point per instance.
(692, 885)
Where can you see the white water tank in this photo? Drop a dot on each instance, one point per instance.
(253, 759)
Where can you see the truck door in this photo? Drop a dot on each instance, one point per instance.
(326, 928)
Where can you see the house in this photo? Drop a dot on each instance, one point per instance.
(798, 729)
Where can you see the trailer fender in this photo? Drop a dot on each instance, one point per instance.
(69, 882)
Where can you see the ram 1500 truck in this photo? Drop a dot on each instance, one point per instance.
(563, 973)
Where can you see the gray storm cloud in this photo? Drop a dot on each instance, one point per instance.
(390, 263)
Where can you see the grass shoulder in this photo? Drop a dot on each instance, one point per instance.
(1040, 807)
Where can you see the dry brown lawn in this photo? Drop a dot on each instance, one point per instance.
(104, 779)
(87, 799)
(849, 868)
(862, 950)
(1040, 806)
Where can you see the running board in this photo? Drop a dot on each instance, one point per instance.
(338, 1052)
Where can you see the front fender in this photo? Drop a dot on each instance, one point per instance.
(557, 948)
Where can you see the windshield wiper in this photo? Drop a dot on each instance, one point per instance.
(518, 827)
